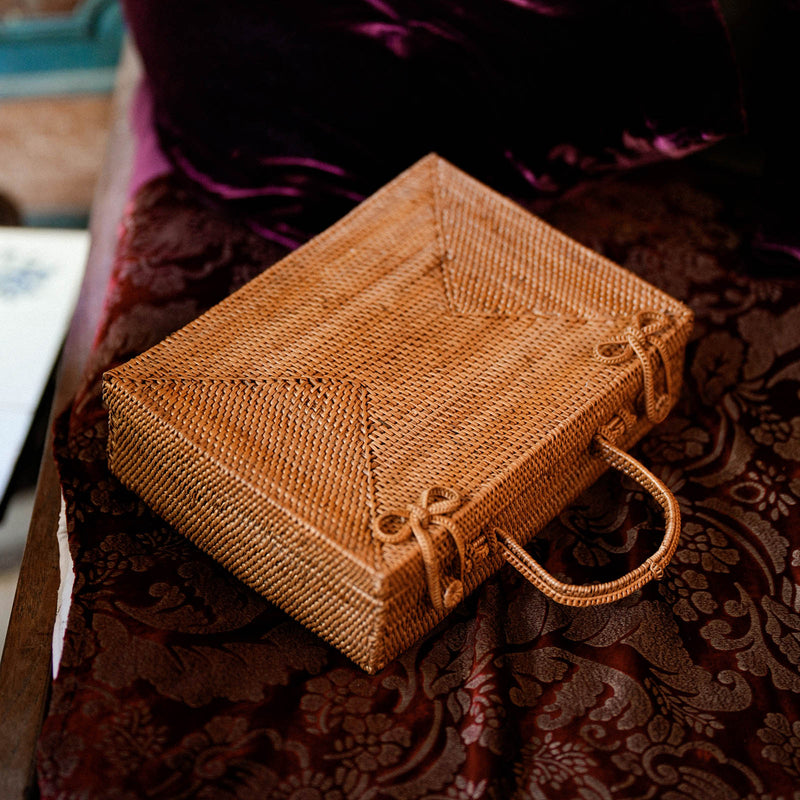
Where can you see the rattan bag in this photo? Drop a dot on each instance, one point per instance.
(372, 427)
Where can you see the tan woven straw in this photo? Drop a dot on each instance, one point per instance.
(371, 428)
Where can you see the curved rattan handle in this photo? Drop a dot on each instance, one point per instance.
(598, 593)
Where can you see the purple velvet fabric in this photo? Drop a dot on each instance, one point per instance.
(295, 111)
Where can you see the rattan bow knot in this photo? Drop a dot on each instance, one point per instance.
(417, 518)
(633, 342)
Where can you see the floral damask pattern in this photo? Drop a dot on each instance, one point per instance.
(178, 682)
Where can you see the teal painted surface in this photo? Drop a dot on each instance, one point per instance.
(79, 50)
(37, 84)
(75, 221)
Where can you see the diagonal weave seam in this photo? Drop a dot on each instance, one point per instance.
(377, 561)
(619, 387)
(546, 239)
(622, 383)
(362, 640)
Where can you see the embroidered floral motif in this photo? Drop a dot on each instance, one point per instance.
(782, 742)
(372, 742)
(559, 766)
(705, 547)
(687, 592)
(333, 698)
(308, 785)
(767, 489)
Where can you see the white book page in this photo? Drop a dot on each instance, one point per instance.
(40, 277)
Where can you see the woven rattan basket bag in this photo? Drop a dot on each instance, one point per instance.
(371, 428)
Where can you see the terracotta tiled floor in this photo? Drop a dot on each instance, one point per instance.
(50, 153)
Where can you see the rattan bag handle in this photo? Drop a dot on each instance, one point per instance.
(599, 593)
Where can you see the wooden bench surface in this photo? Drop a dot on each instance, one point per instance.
(25, 670)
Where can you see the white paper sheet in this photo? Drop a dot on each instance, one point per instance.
(40, 276)
(64, 590)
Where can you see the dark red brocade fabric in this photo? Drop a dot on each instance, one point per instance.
(178, 682)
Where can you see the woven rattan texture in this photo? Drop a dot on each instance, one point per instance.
(438, 336)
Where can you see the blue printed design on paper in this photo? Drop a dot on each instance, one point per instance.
(20, 275)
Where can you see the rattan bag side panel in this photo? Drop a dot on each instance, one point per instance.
(407, 616)
(555, 479)
(264, 546)
(552, 477)
(531, 468)
(302, 443)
